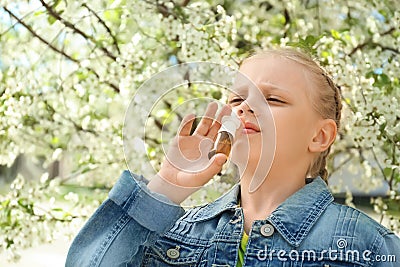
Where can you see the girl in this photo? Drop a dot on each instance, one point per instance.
(281, 213)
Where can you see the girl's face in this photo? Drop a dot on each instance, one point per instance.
(274, 105)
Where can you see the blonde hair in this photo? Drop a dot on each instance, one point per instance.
(327, 101)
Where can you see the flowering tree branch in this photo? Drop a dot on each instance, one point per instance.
(52, 47)
(370, 43)
(102, 22)
(71, 26)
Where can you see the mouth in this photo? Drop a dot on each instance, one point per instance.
(250, 128)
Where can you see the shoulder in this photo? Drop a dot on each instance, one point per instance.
(353, 237)
(359, 220)
(353, 228)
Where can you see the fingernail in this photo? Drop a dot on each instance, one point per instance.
(221, 161)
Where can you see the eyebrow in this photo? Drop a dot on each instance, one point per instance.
(272, 86)
(262, 85)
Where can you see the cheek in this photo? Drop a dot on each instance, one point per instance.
(292, 131)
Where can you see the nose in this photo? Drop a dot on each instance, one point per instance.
(243, 109)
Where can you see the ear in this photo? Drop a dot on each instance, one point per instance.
(325, 134)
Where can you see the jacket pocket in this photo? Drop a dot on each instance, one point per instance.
(168, 252)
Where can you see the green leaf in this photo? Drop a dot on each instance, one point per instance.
(381, 80)
(26, 205)
(57, 209)
(393, 207)
(38, 13)
(325, 54)
(216, 94)
(384, 78)
(55, 4)
(370, 74)
(55, 140)
(311, 40)
(51, 19)
(112, 15)
(387, 171)
(5, 203)
(335, 34)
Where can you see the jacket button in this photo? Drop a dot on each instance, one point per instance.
(173, 253)
(267, 230)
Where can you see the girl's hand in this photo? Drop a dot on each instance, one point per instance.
(187, 166)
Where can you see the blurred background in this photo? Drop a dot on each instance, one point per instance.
(69, 69)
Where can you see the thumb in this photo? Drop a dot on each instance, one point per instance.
(217, 161)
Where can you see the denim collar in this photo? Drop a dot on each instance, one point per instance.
(293, 218)
(228, 201)
(299, 212)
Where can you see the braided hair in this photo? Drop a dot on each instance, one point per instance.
(319, 165)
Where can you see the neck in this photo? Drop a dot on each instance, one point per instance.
(274, 190)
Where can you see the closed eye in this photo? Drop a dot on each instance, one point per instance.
(236, 100)
(276, 100)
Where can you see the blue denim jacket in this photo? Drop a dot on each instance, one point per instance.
(135, 227)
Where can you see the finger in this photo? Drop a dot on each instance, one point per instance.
(212, 133)
(207, 120)
(186, 125)
(214, 168)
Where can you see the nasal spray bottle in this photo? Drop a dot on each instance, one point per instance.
(225, 137)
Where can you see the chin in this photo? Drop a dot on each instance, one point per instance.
(244, 157)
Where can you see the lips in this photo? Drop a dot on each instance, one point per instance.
(250, 128)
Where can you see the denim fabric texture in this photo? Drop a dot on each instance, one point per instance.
(135, 227)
